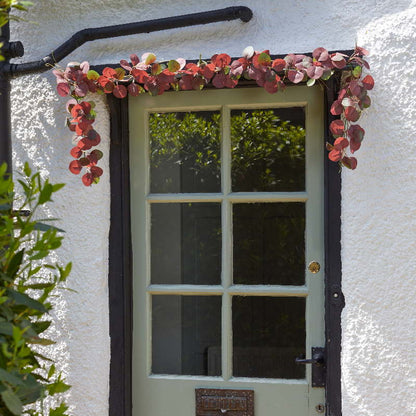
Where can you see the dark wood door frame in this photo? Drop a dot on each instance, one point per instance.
(120, 264)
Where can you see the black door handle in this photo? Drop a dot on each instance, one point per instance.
(318, 365)
(318, 358)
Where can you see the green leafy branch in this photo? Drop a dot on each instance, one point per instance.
(28, 281)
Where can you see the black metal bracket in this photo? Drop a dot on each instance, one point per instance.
(86, 35)
(318, 366)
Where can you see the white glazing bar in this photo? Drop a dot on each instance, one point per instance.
(267, 196)
(226, 276)
(185, 289)
(194, 197)
(268, 290)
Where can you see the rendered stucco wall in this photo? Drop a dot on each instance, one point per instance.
(379, 221)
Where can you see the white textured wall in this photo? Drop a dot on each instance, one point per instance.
(379, 214)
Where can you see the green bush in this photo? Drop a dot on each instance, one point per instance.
(28, 281)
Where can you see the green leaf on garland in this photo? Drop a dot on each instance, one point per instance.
(356, 72)
(93, 75)
(173, 65)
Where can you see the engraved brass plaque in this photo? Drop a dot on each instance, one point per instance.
(215, 402)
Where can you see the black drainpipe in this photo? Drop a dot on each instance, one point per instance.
(15, 49)
(9, 50)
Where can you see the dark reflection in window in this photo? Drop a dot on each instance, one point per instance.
(268, 150)
(269, 243)
(268, 334)
(186, 243)
(185, 152)
(186, 335)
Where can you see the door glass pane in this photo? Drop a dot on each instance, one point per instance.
(186, 243)
(268, 150)
(185, 152)
(186, 335)
(268, 334)
(269, 243)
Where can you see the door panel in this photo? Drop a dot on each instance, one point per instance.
(227, 211)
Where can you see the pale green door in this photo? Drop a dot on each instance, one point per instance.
(227, 212)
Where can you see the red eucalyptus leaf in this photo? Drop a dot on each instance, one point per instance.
(81, 90)
(124, 64)
(96, 171)
(82, 128)
(349, 162)
(279, 65)
(320, 54)
(352, 114)
(98, 154)
(208, 71)
(75, 167)
(341, 143)
(140, 75)
(109, 73)
(221, 60)
(106, 84)
(230, 82)
(337, 108)
(186, 82)
(84, 161)
(198, 83)
(361, 51)
(356, 134)
(342, 93)
(271, 86)
(93, 137)
(76, 152)
(92, 159)
(335, 155)
(338, 60)
(88, 179)
(368, 82)
(63, 89)
(133, 89)
(355, 88)
(134, 59)
(120, 91)
(219, 80)
(84, 144)
(295, 76)
(315, 72)
(337, 127)
(166, 77)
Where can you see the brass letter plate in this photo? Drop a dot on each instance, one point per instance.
(216, 402)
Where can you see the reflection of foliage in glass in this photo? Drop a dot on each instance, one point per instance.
(189, 142)
(267, 153)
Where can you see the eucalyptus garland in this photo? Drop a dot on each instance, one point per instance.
(147, 75)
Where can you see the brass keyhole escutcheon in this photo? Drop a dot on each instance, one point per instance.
(314, 267)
